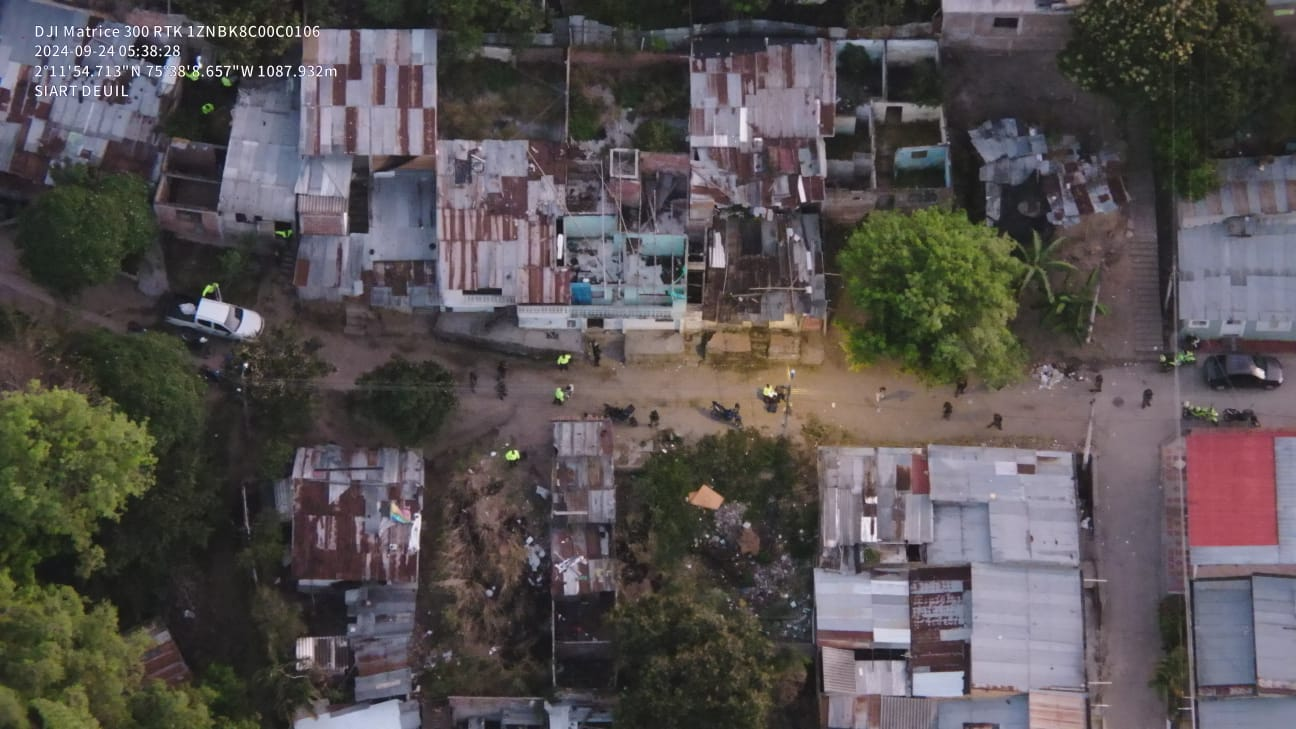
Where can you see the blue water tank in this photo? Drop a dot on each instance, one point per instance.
(582, 293)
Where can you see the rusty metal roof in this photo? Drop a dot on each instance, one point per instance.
(382, 100)
(497, 206)
(162, 661)
(866, 497)
(584, 490)
(1248, 186)
(356, 514)
(765, 269)
(582, 559)
(940, 625)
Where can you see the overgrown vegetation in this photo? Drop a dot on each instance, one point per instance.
(655, 135)
(412, 399)
(1170, 677)
(935, 292)
(480, 98)
(77, 234)
(585, 117)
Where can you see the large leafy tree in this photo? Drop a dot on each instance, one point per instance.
(935, 292)
(411, 398)
(77, 234)
(688, 659)
(1199, 68)
(152, 379)
(236, 49)
(65, 465)
(63, 660)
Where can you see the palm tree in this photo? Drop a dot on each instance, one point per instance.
(1041, 262)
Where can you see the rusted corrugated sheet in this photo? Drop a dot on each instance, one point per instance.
(379, 89)
(355, 514)
(1058, 710)
(940, 618)
(162, 661)
(544, 285)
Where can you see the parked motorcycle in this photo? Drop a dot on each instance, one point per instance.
(621, 415)
(1248, 416)
(1178, 359)
(726, 415)
(1204, 413)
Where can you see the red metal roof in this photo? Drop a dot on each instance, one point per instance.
(1232, 499)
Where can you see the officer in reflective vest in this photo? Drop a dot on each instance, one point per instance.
(209, 289)
(560, 396)
(768, 393)
(512, 455)
(564, 360)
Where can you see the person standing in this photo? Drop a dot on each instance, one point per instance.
(997, 422)
(1098, 384)
(596, 353)
(472, 382)
(654, 419)
(960, 387)
(1147, 398)
(512, 455)
(879, 397)
(501, 370)
(501, 389)
(564, 359)
(947, 410)
(560, 396)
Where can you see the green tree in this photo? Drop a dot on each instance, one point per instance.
(152, 379)
(1183, 163)
(411, 398)
(1041, 261)
(1170, 678)
(157, 707)
(65, 465)
(279, 381)
(655, 135)
(1200, 69)
(64, 660)
(687, 659)
(935, 292)
(77, 234)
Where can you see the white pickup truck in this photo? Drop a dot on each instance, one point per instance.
(214, 318)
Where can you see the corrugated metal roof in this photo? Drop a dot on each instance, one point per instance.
(1249, 279)
(773, 269)
(1011, 712)
(1251, 713)
(402, 216)
(1224, 634)
(582, 559)
(356, 514)
(908, 713)
(381, 610)
(843, 674)
(387, 715)
(328, 653)
(1248, 186)
(1232, 501)
(496, 217)
(838, 670)
(1030, 496)
(861, 611)
(1058, 710)
(852, 712)
(1274, 600)
(116, 131)
(940, 620)
(382, 100)
(162, 661)
(383, 685)
(261, 163)
(1285, 495)
(961, 534)
(1027, 628)
(865, 485)
(326, 177)
(584, 489)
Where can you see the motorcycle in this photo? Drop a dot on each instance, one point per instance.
(1248, 416)
(726, 415)
(621, 415)
(1185, 357)
(1204, 413)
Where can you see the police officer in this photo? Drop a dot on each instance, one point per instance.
(564, 360)
(560, 396)
(512, 455)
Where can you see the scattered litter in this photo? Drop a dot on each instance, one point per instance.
(542, 492)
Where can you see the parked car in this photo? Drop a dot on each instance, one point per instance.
(1243, 370)
(214, 318)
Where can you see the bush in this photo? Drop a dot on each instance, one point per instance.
(585, 121)
(655, 135)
